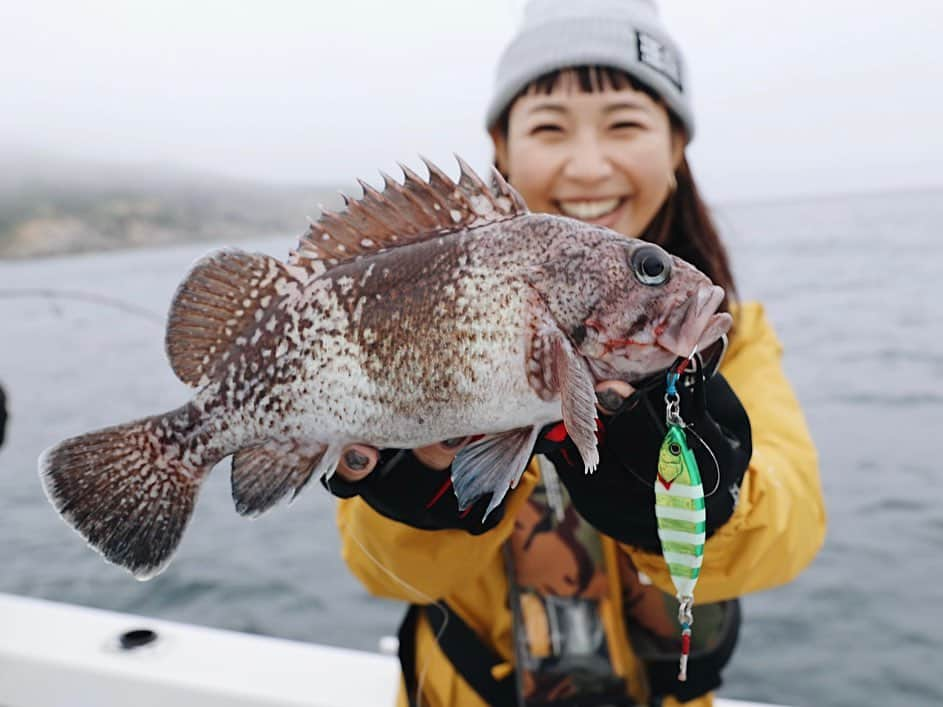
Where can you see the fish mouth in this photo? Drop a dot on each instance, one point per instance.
(698, 324)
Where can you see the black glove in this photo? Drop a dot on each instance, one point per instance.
(3, 415)
(406, 490)
(619, 498)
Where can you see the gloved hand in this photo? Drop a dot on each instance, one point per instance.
(412, 487)
(619, 498)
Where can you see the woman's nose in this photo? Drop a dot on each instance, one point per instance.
(587, 161)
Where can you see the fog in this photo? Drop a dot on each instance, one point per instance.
(798, 97)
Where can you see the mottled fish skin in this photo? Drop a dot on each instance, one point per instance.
(496, 322)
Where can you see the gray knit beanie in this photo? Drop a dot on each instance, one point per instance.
(624, 34)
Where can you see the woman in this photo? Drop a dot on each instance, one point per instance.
(561, 596)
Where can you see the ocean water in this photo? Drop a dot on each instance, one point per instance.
(853, 287)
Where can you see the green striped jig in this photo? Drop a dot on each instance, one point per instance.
(679, 510)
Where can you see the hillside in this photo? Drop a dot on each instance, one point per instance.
(50, 206)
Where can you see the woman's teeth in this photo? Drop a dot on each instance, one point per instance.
(589, 209)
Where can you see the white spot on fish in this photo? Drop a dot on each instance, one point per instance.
(368, 272)
(265, 300)
(481, 205)
(366, 243)
(358, 311)
(256, 336)
(456, 215)
(272, 322)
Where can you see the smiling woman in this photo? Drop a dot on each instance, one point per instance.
(564, 595)
(587, 143)
(594, 143)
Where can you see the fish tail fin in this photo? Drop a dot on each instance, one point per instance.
(129, 490)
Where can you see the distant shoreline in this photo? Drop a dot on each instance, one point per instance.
(54, 207)
(50, 208)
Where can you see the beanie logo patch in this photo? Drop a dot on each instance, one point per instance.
(656, 55)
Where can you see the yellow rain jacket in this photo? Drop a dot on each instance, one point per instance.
(777, 528)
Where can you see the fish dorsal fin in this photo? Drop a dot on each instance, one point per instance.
(400, 214)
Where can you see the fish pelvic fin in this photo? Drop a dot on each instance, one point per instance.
(400, 214)
(128, 490)
(225, 296)
(263, 475)
(494, 465)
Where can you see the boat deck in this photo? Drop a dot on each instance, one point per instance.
(55, 655)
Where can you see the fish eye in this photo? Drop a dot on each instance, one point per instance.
(651, 265)
(674, 449)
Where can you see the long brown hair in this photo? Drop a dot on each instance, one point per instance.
(683, 225)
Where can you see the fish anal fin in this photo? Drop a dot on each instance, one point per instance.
(216, 303)
(265, 474)
(403, 213)
(493, 464)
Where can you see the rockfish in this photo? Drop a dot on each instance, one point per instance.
(425, 311)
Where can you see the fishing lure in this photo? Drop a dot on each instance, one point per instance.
(679, 510)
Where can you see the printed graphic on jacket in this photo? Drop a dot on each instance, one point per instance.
(563, 617)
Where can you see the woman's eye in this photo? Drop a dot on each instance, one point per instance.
(546, 128)
(625, 125)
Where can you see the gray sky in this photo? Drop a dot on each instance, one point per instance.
(790, 97)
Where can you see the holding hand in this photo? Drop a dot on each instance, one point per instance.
(618, 499)
(359, 460)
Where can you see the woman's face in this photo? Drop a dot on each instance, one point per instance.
(605, 157)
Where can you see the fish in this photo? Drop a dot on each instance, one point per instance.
(426, 310)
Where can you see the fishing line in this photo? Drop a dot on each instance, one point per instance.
(419, 593)
(671, 395)
(80, 296)
(713, 458)
(651, 484)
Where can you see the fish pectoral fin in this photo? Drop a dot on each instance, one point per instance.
(264, 474)
(218, 302)
(572, 377)
(493, 464)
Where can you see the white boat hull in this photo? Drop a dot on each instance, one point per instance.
(60, 655)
